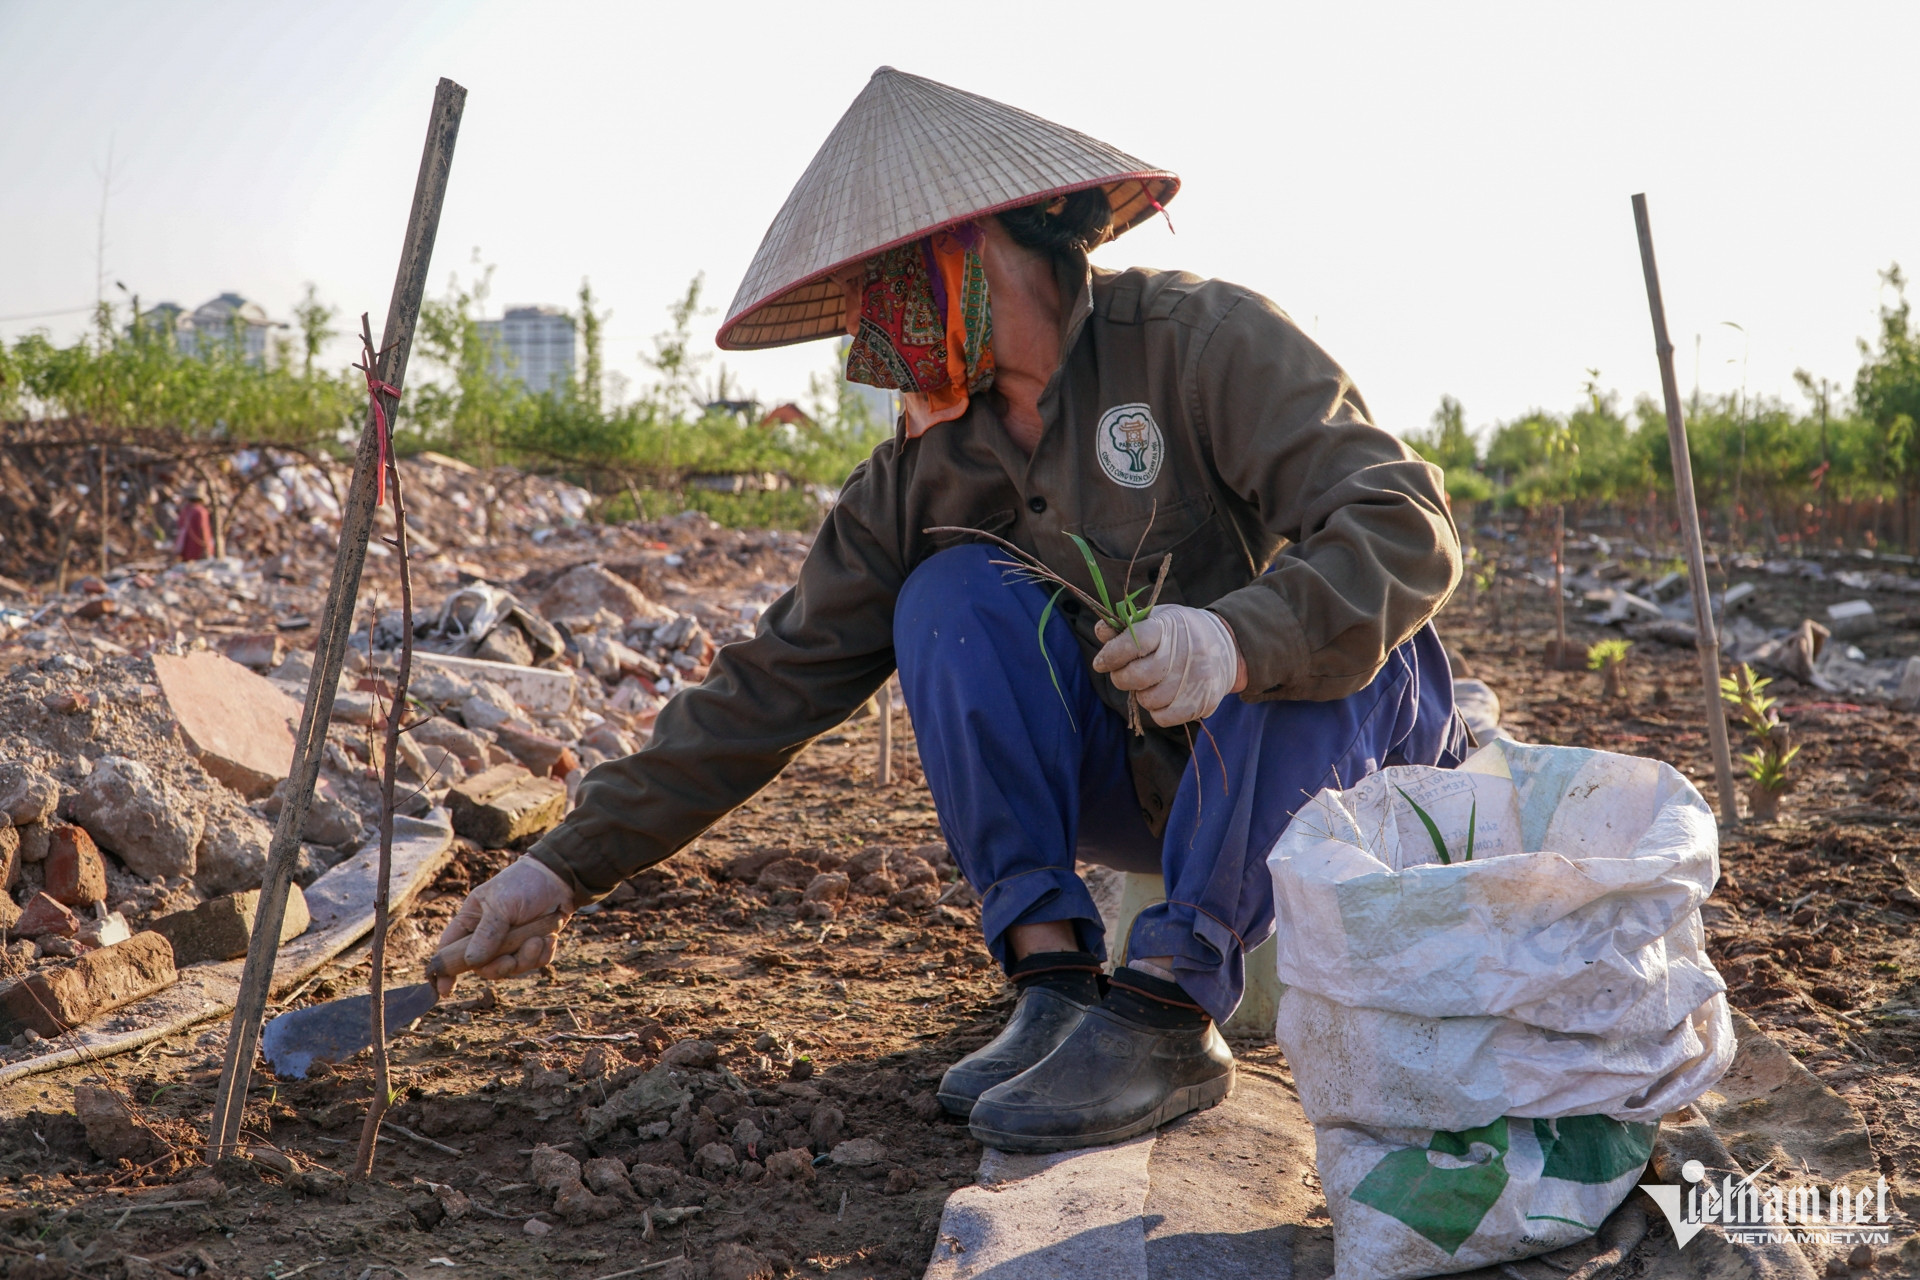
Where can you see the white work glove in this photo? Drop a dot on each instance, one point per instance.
(1179, 663)
(524, 891)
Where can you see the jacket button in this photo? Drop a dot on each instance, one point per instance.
(1036, 504)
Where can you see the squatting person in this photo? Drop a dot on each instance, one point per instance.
(1152, 413)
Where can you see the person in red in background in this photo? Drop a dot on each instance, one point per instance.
(193, 528)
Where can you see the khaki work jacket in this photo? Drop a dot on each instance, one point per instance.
(1195, 402)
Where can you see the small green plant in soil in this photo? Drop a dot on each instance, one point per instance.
(1609, 658)
(1774, 751)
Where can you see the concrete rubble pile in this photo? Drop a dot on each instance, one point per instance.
(112, 837)
(292, 506)
(144, 746)
(1817, 651)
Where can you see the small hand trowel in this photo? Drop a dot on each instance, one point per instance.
(335, 1030)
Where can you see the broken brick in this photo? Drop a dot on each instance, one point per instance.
(505, 805)
(76, 874)
(221, 929)
(54, 1001)
(43, 917)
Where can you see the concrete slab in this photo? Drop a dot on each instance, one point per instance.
(1045, 1217)
(239, 725)
(1232, 1193)
(538, 689)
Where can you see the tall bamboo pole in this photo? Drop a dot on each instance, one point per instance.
(336, 621)
(1708, 640)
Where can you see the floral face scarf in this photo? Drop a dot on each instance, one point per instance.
(925, 328)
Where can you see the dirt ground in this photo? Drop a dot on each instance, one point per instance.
(822, 1031)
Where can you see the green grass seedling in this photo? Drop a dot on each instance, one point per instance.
(1121, 613)
(1433, 829)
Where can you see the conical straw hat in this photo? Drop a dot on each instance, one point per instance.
(910, 156)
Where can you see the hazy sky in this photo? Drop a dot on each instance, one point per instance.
(1439, 192)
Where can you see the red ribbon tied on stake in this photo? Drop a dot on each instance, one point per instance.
(374, 387)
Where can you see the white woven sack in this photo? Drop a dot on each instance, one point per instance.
(1558, 973)
(1579, 913)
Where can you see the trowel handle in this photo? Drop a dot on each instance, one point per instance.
(451, 959)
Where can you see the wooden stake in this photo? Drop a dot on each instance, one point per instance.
(1708, 639)
(336, 623)
(885, 699)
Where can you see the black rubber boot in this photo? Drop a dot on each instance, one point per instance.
(1140, 1058)
(1056, 989)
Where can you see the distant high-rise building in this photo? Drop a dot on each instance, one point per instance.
(533, 344)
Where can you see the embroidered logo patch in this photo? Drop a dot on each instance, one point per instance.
(1129, 445)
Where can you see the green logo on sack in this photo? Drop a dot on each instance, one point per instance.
(1593, 1149)
(1444, 1190)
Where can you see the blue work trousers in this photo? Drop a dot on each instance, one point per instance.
(1026, 777)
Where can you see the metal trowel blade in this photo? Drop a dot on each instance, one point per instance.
(335, 1030)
